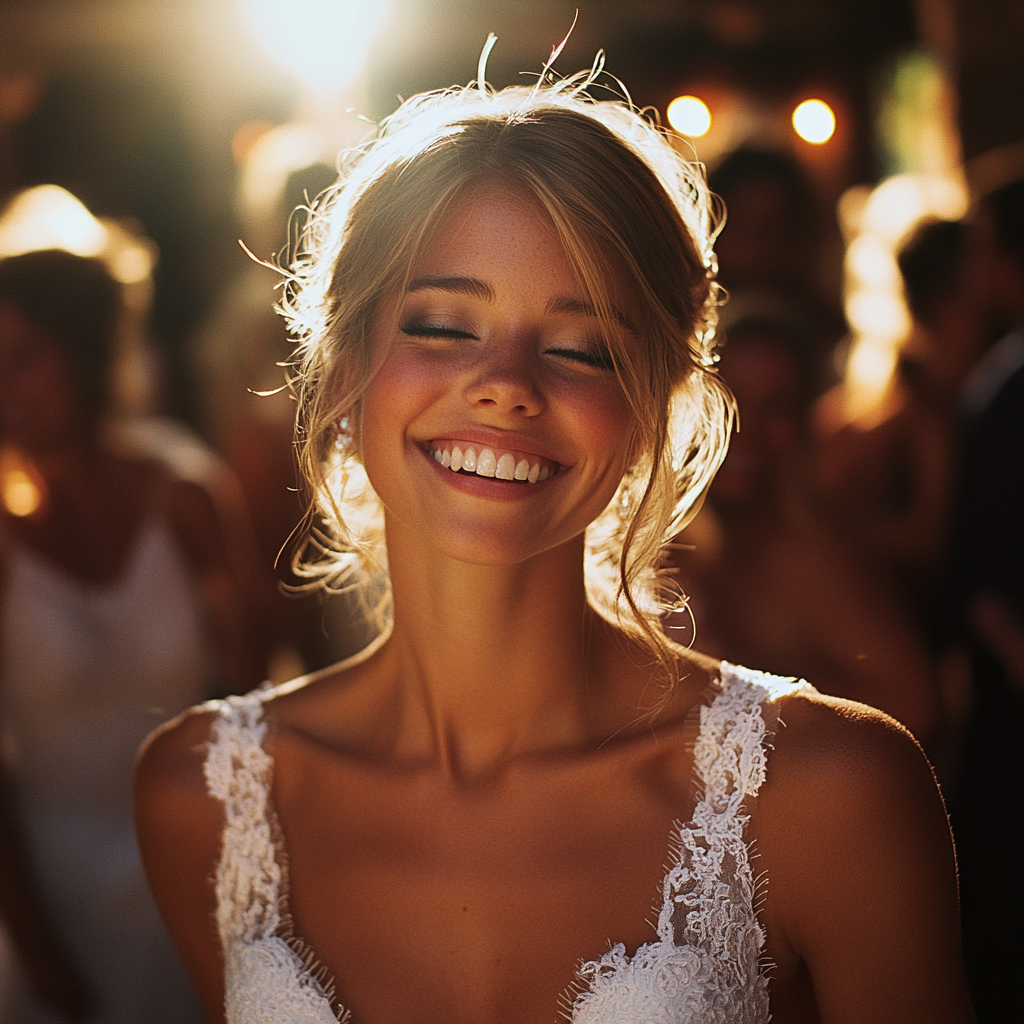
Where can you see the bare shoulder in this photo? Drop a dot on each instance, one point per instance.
(842, 769)
(826, 747)
(855, 842)
(179, 826)
(178, 822)
(172, 757)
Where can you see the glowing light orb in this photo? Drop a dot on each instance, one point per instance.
(814, 121)
(21, 496)
(689, 116)
(19, 489)
(324, 43)
(49, 217)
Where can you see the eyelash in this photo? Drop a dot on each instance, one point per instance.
(429, 331)
(599, 360)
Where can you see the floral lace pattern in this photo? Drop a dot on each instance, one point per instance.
(266, 981)
(705, 965)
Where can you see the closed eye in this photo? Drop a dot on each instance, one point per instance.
(600, 359)
(417, 330)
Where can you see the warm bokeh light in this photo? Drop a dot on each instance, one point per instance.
(270, 160)
(324, 43)
(869, 368)
(689, 116)
(877, 313)
(49, 217)
(814, 121)
(875, 222)
(898, 203)
(872, 263)
(20, 492)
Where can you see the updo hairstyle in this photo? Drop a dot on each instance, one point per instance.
(622, 200)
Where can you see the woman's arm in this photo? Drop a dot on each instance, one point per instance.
(179, 828)
(862, 875)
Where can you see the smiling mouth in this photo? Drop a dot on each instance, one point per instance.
(475, 460)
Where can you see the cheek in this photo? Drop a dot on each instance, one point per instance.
(612, 411)
(603, 423)
(399, 392)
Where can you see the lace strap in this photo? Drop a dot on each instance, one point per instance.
(709, 891)
(237, 772)
(730, 755)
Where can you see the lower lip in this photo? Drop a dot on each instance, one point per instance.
(488, 487)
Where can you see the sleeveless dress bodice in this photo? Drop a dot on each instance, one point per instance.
(87, 671)
(703, 967)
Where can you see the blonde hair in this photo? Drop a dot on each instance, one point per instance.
(621, 198)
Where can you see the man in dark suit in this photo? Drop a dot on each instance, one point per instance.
(986, 596)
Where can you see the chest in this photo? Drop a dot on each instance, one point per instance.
(413, 893)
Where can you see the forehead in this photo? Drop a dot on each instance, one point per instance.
(493, 225)
(502, 231)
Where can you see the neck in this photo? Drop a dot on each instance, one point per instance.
(493, 660)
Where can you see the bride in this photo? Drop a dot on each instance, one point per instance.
(507, 403)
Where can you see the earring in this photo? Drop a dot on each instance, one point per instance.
(343, 439)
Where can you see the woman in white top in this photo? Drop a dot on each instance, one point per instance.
(121, 603)
(507, 404)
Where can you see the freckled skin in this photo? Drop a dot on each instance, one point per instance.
(478, 803)
(498, 374)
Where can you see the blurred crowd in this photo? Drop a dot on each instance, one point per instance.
(144, 565)
(881, 555)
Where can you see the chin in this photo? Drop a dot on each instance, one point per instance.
(493, 551)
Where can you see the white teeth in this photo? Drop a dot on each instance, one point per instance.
(487, 464)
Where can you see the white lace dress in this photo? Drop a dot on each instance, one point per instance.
(704, 966)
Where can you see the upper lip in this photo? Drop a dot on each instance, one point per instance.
(496, 440)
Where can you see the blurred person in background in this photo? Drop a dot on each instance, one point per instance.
(985, 597)
(126, 594)
(768, 583)
(248, 414)
(774, 242)
(884, 480)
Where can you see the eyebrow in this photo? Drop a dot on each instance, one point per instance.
(563, 304)
(481, 290)
(461, 285)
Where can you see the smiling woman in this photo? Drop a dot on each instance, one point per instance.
(507, 368)
(507, 404)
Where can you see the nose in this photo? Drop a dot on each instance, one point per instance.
(505, 380)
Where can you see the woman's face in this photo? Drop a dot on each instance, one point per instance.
(39, 400)
(495, 427)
